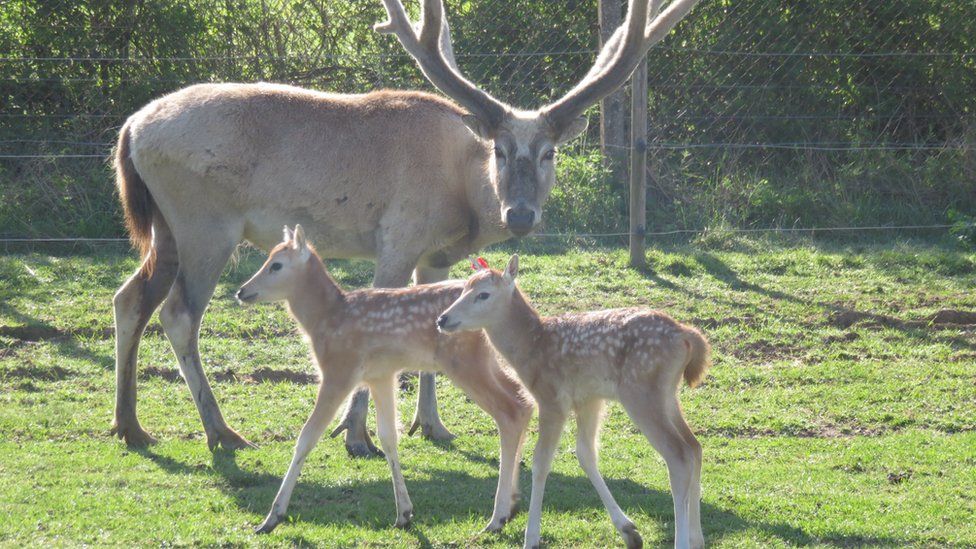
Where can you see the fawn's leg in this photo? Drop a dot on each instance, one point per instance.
(134, 305)
(426, 417)
(653, 412)
(393, 270)
(384, 395)
(501, 396)
(588, 419)
(551, 422)
(694, 492)
(330, 396)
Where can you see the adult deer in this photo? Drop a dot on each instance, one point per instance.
(405, 178)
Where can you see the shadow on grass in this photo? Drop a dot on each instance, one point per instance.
(35, 329)
(448, 495)
(834, 314)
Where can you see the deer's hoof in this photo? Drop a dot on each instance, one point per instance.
(631, 537)
(496, 525)
(132, 433)
(229, 439)
(403, 521)
(267, 526)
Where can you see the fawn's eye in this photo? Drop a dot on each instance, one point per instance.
(483, 296)
(275, 266)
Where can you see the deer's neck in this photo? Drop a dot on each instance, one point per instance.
(518, 335)
(484, 202)
(316, 298)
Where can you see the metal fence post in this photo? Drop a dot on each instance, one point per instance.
(638, 164)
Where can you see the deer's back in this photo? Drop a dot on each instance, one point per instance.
(336, 163)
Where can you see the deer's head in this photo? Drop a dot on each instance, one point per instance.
(522, 167)
(486, 296)
(277, 279)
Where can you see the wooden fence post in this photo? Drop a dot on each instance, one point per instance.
(638, 164)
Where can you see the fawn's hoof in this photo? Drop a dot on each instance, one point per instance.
(132, 433)
(495, 525)
(267, 526)
(631, 537)
(403, 521)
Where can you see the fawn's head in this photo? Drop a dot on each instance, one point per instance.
(278, 277)
(484, 300)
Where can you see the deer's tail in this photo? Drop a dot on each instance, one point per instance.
(137, 202)
(699, 357)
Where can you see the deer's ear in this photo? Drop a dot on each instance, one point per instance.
(511, 271)
(287, 235)
(477, 127)
(298, 238)
(577, 127)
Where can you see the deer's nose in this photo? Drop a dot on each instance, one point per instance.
(520, 220)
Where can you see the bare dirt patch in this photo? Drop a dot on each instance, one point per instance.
(32, 372)
(712, 323)
(945, 318)
(846, 337)
(257, 376)
(764, 349)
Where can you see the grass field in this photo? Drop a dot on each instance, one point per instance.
(841, 410)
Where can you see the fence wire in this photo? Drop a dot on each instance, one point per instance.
(760, 111)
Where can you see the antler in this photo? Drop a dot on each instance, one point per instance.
(619, 57)
(434, 53)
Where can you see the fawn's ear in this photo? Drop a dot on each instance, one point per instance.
(298, 240)
(511, 271)
(287, 235)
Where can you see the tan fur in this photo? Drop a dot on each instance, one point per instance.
(369, 336)
(390, 175)
(574, 363)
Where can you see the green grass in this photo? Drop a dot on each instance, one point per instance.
(837, 413)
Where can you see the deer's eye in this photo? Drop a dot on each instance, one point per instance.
(549, 155)
(483, 296)
(275, 266)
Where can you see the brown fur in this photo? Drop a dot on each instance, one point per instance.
(137, 202)
(699, 357)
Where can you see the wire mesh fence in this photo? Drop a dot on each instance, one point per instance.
(762, 113)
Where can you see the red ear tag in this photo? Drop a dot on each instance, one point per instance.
(483, 263)
(474, 266)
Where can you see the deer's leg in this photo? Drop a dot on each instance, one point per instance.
(588, 419)
(384, 395)
(392, 271)
(201, 261)
(134, 305)
(694, 492)
(332, 392)
(551, 422)
(654, 413)
(426, 417)
(501, 396)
